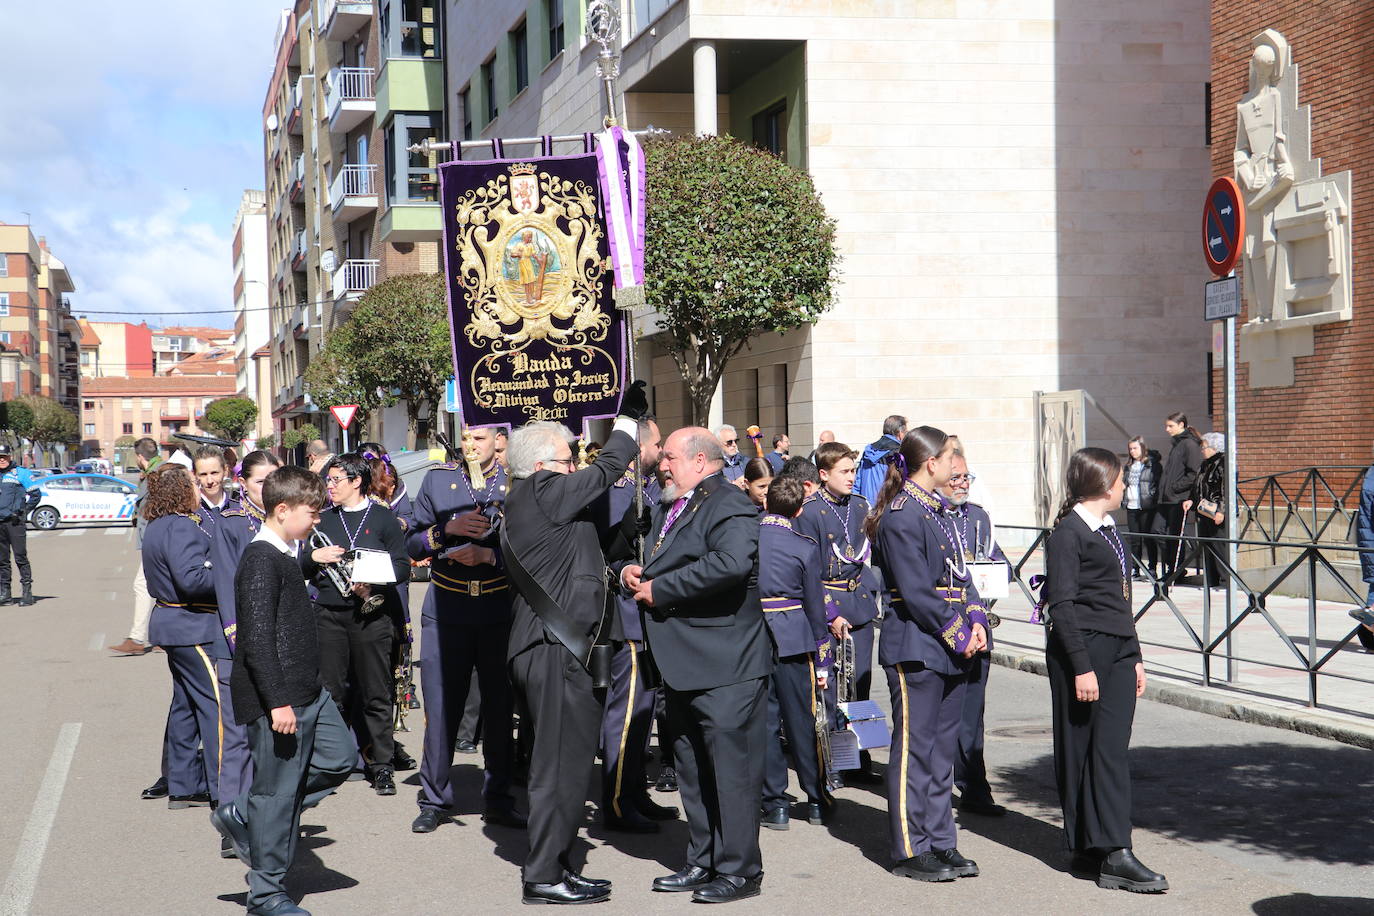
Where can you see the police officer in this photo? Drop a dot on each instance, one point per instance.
(794, 609)
(185, 623)
(465, 626)
(834, 518)
(936, 625)
(16, 501)
(975, 531)
(625, 802)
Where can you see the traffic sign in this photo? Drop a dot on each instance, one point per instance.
(1223, 226)
(1223, 299)
(343, 414)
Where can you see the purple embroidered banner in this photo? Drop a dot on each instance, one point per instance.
(536, 334)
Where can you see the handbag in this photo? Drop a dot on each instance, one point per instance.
(1207, 507)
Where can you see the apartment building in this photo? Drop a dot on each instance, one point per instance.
(116, 349)
(116, 411)
(1016, 188)
(354, 83)
(39, 352)
(172, 345)
(252, 326)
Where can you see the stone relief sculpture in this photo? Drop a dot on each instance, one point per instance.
(1296, 259)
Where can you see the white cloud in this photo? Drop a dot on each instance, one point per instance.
(131, 140)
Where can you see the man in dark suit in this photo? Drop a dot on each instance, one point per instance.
(552, 550)
(704, 627)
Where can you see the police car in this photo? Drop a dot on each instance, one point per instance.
(84, 498)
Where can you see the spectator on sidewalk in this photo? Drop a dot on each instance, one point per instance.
(1143, 472)
(136, 643)
(734, 461)
(868, 479)
(1208, 498)
(317, 455)
(1176, 485)
(781, 452)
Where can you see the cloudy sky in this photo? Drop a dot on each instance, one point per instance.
(128, 132)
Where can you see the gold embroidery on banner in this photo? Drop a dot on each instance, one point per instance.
(528, 258)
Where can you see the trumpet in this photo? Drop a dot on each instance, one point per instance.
(341, 573)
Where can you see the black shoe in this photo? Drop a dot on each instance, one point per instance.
(667, 780)
(815, 813)
(383, 781)
(576, 880)
(987, 808)
(198, 800)
(281, 905)
(924, 867)
(654, 811)
(6, 596)
(631, 822)
(728, 888)
(963, 867)
(427, 821)
(863, 777)
(226, 848)
(229, 821)
(464, 746)
(156, 790)
(775, 819)
(1122, 871)
(564, 892)
(505, 817)
(689, 879)
(400, 760)
(27, 599)
(1086, 862)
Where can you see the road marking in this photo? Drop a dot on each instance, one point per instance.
(112, 596)
(70, 532)
(28, 860)
(97, 642)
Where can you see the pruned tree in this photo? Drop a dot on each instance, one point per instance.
(52, 423)
(232, 417)
(737, 243)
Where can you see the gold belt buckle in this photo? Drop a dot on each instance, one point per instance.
(474, 589)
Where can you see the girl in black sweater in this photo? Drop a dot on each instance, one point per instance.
(1095, 672)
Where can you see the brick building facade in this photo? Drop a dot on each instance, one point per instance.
(114, 408)
(1326, 417)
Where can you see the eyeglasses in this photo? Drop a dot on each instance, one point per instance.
(335, 481)
(730, 441)
(570, 462)
(966, 477)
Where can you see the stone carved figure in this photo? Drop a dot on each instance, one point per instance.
(1263, 171)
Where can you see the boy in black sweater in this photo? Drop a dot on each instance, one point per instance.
(300, 746)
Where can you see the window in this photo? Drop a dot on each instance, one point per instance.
(88, 405)
(770, 129)
(128, 429)
(147, 403)
(465, 104)
(127, 403)
(174, 344)
(409, 28)
(4, 265)
(62, 483)
(147, 429)
(4, 337)
(553, 10)
(86, 358)
(416, 181)
(489, 88)
(90, 429)
(105, 485)
(4, 305)
(520, 56)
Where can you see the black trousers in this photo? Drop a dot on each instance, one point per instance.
(665, 732)
(792, 704)
(565, 712)
(1169, 519)
(926, 707)
(1091, 742)
(625, 732)
(1210, 559)
(970, 772)
(1141, 524)
(14, 536)
(290, 772)
(720, 748)
(356, 650)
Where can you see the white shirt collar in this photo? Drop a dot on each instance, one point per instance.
(271, 537)
(1092, 521)
(223, 499)
(358, 508)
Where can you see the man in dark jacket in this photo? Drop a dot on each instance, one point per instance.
(552, 551)
(868, 477)
(704, 626)
(1175, 486)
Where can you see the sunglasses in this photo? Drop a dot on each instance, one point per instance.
(731, 441)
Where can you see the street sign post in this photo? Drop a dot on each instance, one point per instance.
(343, 415)
(1223, 235)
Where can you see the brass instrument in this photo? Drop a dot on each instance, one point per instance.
(843, 673)
(404, 679)
(340, 573)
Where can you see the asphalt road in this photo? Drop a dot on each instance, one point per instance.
(1242, 818)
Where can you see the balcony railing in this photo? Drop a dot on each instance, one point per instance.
(343, 18)
(174, 414)
(293, 117)
(353, 191)
(296, 186)
(353, 278)
(352, 97)
(297, 247)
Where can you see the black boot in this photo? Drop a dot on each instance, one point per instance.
(5, 595)
(1121, 870)
(27, 599)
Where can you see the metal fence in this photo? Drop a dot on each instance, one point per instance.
(1313, 504)
(1291, 642)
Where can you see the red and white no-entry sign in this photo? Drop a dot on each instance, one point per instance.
(343, 414)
